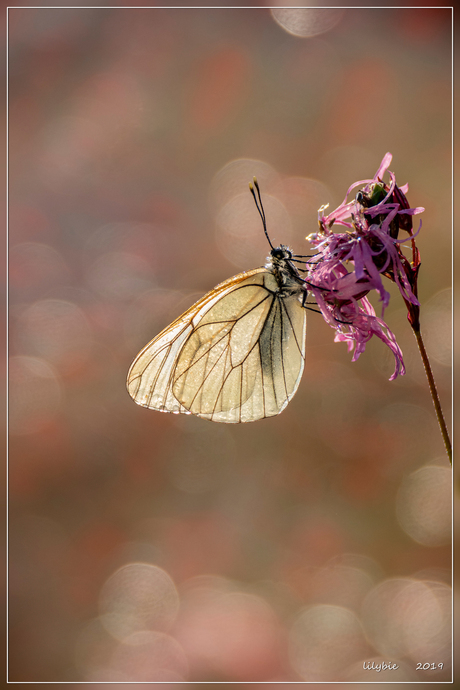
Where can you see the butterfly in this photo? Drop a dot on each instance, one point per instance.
(236, 355)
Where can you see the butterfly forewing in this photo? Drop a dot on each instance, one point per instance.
(214, 372)
(150, 377)
(235, 356)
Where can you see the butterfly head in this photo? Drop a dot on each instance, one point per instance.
(281, 254)
(280, 263)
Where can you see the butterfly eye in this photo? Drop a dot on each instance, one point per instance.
(281, 253)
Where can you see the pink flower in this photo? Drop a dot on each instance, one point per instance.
(370, 245)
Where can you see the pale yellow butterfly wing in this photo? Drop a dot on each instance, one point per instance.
(237, 355)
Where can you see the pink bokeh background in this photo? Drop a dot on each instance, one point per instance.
(152, 547)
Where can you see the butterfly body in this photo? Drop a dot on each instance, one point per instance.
(286, 274)
(236, 355)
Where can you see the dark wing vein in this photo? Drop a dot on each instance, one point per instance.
(293, 331)
(263, 380)
(282, 306)
(206, 354)
(227, 356)
(272, 363)
(160, 368)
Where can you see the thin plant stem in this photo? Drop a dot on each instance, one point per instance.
(434, 392)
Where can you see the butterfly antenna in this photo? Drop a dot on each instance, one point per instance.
(259, 206)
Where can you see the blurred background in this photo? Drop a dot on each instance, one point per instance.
(153, 547)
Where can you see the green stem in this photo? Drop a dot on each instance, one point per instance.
(434, 392)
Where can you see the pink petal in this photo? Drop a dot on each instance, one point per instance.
(383, 167)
